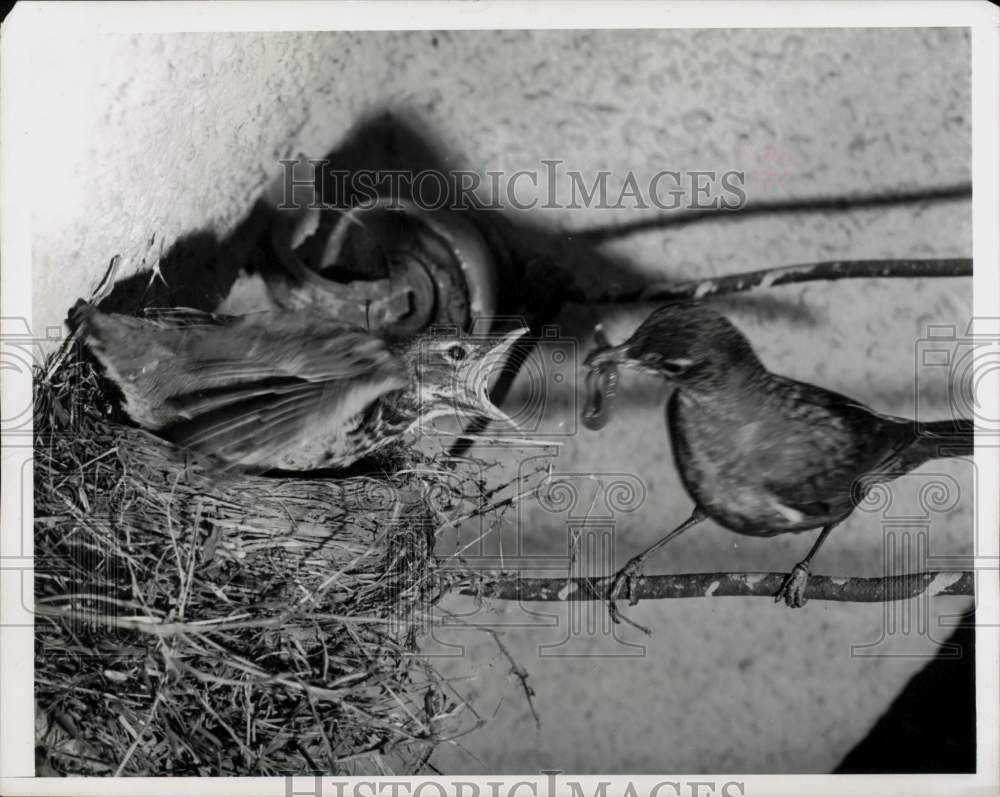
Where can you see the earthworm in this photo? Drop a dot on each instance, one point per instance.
(601, 386)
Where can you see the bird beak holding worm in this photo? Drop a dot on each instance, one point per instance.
(602, 366)
(601, 383)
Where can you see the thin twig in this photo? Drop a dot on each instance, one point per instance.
(807, 272)
(515, 668)
(139, 734)
(521, 673)
(908, 268)
(154, 626)
(510, 586)
(99, 294)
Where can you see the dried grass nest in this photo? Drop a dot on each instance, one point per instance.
(192, 624)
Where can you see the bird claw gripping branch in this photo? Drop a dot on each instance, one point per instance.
(793, 589)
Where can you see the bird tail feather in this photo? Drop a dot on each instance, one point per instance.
(941, 439)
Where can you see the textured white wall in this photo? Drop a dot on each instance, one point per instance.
(143, 135)
(142, 139)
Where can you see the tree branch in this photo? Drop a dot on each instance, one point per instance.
(510, 586)
(785, 275)
(806, 272)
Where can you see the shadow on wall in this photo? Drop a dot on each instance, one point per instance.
(540, 268)
(931, 725)
(200, 269)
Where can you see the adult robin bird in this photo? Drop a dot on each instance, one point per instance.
(761, 454)
(285, 390)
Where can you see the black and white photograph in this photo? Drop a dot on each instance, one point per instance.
(500, 399)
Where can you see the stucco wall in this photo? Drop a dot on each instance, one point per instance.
(143, 139)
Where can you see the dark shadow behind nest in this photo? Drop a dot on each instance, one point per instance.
(192, 623)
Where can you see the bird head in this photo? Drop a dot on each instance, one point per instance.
(453, 373)
(685, 343)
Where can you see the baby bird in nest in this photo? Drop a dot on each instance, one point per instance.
(293, 391)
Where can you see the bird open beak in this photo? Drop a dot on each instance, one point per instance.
(493, 356)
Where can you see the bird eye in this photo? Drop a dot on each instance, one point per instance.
(456, 353)
(668, 366)
(675, 366)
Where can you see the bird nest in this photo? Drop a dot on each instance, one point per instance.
(196, 623)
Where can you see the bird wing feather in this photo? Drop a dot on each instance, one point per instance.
(242, 387)
(183, 316)
(185, 351)
(272, 405)
(847, 441)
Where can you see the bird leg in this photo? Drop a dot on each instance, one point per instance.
(628, 577)
(793, 590)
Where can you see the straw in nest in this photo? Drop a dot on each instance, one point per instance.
(192, 624)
